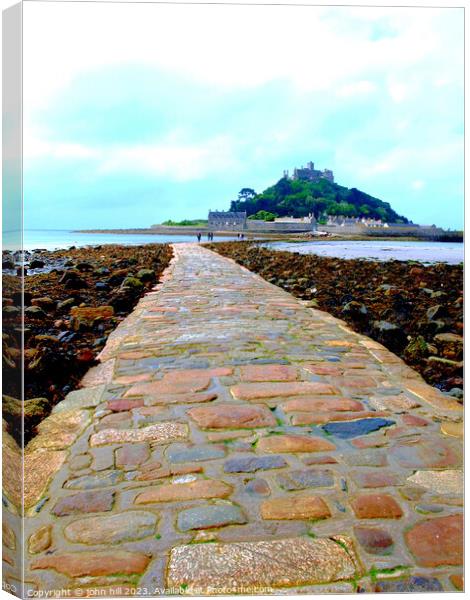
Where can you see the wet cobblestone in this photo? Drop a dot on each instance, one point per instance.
(239, 437)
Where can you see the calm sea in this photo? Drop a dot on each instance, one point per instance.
(52, 239)
(425, 252)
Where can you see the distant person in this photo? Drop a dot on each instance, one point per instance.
(198, 237)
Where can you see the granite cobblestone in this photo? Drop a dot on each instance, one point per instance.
(237, 438)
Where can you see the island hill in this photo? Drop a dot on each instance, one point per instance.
(312, 192)
(307, 202)
(311, 202)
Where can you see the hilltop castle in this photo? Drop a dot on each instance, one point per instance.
(309, 173)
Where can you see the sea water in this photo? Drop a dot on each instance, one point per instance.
(53, 239)
(425, 252)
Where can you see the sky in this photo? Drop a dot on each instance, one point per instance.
(139, 113)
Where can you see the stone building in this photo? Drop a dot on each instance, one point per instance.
(309, 173)
(226, 221)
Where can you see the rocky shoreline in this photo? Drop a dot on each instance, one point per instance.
(416, 311)
(74, 299)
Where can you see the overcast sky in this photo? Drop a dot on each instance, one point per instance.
(134, 114)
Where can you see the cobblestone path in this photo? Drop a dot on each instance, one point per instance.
(234, 440)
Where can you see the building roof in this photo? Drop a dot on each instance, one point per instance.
(227, 214)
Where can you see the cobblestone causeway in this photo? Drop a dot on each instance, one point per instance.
(233, 440)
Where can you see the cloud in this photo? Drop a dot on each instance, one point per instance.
(220, 97)
(179, 162)
(357, 88)
(227, 45)
(176, 161)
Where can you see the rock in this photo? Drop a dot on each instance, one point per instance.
(117, 277)
(69, 275)
(88, 397)
(295, 508)
(373, 479)
(449, 481)
(95, 481)
(11, 312)
(199, 452)
(146, 275)
(438, 541)
(159, 433)
(124, 405)
(120, 420)
(8, 264)
(35, 312)
(89, 314)
(94, 563)
(428, 508)
(31, 411)
(84, 266)
(40, 466)
(66, 304)
(351, 429)
(193, 490)
(60, 431)
(268, 373)
(132, 283)
(322, 405)
(252, 464)
(415, 421)
(206, 517)
(132, 455)
(376, 506)
(112, 529)
(258, 487)
(293, 443)
(36, 263)
(457, 581)
(40, 540)
(8, 536)
(232, 416)
(75, 284)
(355, 310)
(304, 479)
(452, 429)
(390, 335)
(456, 393)
(436, 312)
(409, 585)
(450, 345)
(374, 540)
(433, 453)
(80, 462)
(256, 565)
(84, 502)
(256, 391)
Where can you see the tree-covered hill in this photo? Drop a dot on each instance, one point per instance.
(297, 198)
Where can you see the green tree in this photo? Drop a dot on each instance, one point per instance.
(246, 194)
(263, 215)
